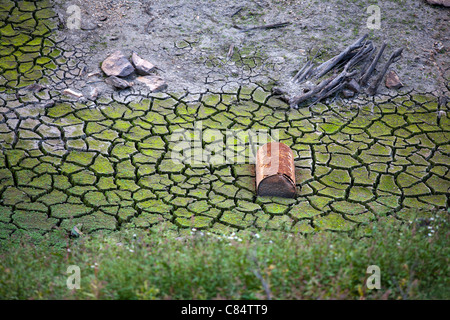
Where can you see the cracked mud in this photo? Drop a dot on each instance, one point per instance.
(106, 162)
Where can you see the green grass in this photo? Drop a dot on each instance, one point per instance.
(413, 259)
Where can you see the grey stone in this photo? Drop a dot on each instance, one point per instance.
(93, 93)
(155, 83)
(445, 3)
(393, 81)
(353, 86)
(73, 93)
(117, 65)
(117, 82)
(35, 87)
(347, 93)
(143, 67)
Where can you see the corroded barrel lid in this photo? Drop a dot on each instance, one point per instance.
(275, 170)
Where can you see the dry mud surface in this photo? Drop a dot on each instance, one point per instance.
(106, 162)
(190, 40)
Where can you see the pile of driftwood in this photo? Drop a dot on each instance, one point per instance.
(352, 68)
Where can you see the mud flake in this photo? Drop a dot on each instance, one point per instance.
(81, 157)
(304, 210)
(54, 197)
(91, 222)
(83, 178)
(360, 194)
(438, 184)
(33, 220)
(334, 222)
(388, 184)
(379, 129)
(155, 206)
(343, 161)
(67, 210)
(348, 207)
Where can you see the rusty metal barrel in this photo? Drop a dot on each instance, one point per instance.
(275, 171)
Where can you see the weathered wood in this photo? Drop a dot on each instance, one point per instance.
(295, 101)
(265, 27)
(305, 71)
(332, 85)
(365, 77)
(328, 65)
(394, 57)
(230, 51)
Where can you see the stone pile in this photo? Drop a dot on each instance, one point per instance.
(121, 71)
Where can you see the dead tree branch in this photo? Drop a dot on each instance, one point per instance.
(394, 57)
(365, 77)
(322, 69)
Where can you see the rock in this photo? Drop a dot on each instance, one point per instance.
(73, 93)
(445, 3)
(155, 83)
(93, 74)
(35, 87)
(93, 93)
(393, 81)
(48, 104)
(438, 46)
(117, 65)
(143, 67)
(348, 93)
(353, 86)
(117, 82)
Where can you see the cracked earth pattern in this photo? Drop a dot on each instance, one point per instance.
(107, 163)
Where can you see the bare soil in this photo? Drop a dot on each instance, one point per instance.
(190, 40)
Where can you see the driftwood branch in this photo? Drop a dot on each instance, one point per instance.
(332, 85)
(322, 69)
(367, 73)
(294, 102)
(352, 69)
(265, 27)
(394, 57)
(303, 73)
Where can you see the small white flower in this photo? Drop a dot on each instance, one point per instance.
(131, 250)
(68, 250)
(256, 236)
(194, 229)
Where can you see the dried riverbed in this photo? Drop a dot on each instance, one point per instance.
(106, 161)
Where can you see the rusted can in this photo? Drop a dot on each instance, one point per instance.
(275, 171)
